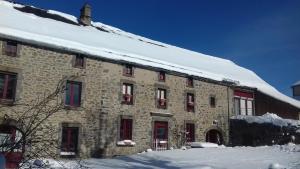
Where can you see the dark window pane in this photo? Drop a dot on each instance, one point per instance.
(69, 139)
(79, 61)
(11, 87)
(2, 79)
(76, 96)
(68, 94)
(11, 48)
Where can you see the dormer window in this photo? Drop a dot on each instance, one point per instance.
(79, 61)
(162, 76)
(190, 102)
(10, 48)
(128, 70)
(161, 98)
(190, 82)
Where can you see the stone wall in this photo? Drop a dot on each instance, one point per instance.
(40, 69)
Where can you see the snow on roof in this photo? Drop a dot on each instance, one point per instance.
(269, 118)
(115, 44)
(297, 83)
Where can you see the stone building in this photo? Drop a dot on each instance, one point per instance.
(135, 94)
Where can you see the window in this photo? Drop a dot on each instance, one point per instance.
(212, 101)
(162, 98)
(79, 61)
(190, 102)
(243, 103)
(11, 48)
(7, 86)
(128, 70)
(126, 129)
(190, 82)
(190, 132)
(127, 91)
(73, 94)
(162, 76)
(69, 141)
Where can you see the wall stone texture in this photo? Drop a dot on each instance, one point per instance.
(40, 69)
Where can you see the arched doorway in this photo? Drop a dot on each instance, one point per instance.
(214, 136)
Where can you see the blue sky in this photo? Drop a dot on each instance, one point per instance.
(261, 35)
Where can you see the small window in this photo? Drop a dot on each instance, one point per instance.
(190, 102)
(73, 94)
(127, 92)
(162, 76)
(190, 82)
(212, 101)
(8, 83)
(69, 141)
(79, 61)
(162, 98)
(126, 129)
(11, 48)
(190, 132)
(128, 70)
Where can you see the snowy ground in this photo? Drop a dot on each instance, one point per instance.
(287, 156)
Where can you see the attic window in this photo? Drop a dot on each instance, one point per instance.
(79, 61)
(162, 76)
(10, 48)
(190, 82)
(128, 70)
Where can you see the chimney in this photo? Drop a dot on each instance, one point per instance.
(85, 15)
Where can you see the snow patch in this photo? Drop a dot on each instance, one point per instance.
(203, 145)
(126, 143)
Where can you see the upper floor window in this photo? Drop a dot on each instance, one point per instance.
(128, 70)
(127, 91)
(73, 94)
(79, 61)
(10, 48)
(190, 132)
(162, 76)
(161, 98)
(190, 102)
(243, 103)
(126, 129)
(212, 101)
(8, 83)
(190, 82)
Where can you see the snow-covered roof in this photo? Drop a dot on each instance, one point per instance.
(107, 42)
(297, 83)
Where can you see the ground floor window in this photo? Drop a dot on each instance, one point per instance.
(126, 129)
(190, 132)
(69, 141)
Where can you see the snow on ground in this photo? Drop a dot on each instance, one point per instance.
(287, 156)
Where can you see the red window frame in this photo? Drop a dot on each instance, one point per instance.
(128, 70)
(190, 102)
(126, 129)
(161, 98)
(69, 141)
(212, 101)
(162, 76)
(71, 93)
(190, 82)
(127, 95)
(190, 129)
(11, 48)
(7, 87)
(79, 61)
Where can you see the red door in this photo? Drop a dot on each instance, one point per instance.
(160, 135)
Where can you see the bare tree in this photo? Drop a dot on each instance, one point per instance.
(33, 136)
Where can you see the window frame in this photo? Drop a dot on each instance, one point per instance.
(5, 48)
(7, 76)
(128, 70)
(161, 76)
(72, 104)
(81, 64)
(213, 101)
(161, 100)
(190, 82)
(126, 129)
(67, 151)
(126, 94)
(190, 106)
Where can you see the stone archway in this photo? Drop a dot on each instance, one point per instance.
(214, 136)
